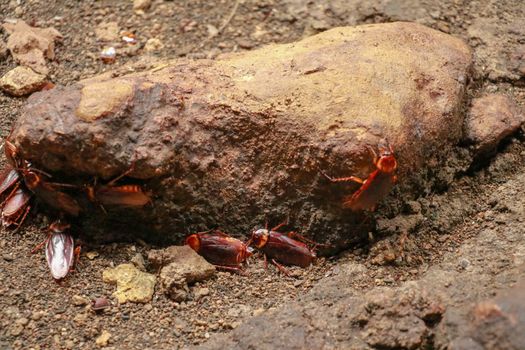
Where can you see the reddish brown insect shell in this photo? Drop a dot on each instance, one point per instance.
(121, 196)
(376, 186)
(16, 207)
(49, 193)
(282, 248)
(220, 249)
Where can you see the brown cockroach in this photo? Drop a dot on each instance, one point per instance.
(8, 179)
(48, 192)
(376, 186)
(122, 196)
(61, 254)
(16, 207)
(282, 248)
(32, 179)
(219, 249)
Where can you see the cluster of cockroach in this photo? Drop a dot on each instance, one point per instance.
(20, 181)
(291, 248)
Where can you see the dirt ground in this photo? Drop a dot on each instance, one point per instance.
(38, 313)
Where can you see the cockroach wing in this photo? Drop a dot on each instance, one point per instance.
(8, 178)
(59, 254)
(57, 199)
(15, 202)
(124, 196)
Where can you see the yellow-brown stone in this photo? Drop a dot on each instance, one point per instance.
(101, 99)
(132, 284)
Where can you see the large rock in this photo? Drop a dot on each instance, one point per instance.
(236, 141)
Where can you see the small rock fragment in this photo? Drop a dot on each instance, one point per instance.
(199, 293)
(103, 339)
(212, 30)
(138, 261)
(78, 300)
(3, 50)
(173, 283)
(31, 46)
(153, 45)
(92, 255)
(7, 257)
(182, 266)
(22, 81)
(186, 262)
(37, 315)
(107, 31)
(492, 118)
(132, 285)
(141, 5)
(80, 318)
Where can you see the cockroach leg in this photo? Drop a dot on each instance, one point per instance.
(19, 224)
(281, 268)
(342, 179)
(299, 237)
(76, 254)
(124, 174)
(276, 228)
(40, 245)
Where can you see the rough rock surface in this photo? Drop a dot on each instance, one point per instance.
(441, 310)
(492, 118)
(132, 284)
(232, 142)
(22, 81)
(31, 46)
(180, 266)
(495, 323)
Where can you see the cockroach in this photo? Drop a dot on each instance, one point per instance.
(46, 191)
(376, 186)
(219, 249)
(10, 151)
(282, 248)
(121, 196)
(49, 193)
(61, 254)
(99, 304)
(8, 179)
(16, 207)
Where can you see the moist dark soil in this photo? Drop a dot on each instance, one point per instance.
(37, 312)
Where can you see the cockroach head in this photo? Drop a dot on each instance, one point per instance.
(32, 179)
(58, 227)
(194, 241)
(260, 237)
(387, 162)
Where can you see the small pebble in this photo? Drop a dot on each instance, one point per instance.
(91, 255)
(103, 339)
(78, 300)
(8, 257)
